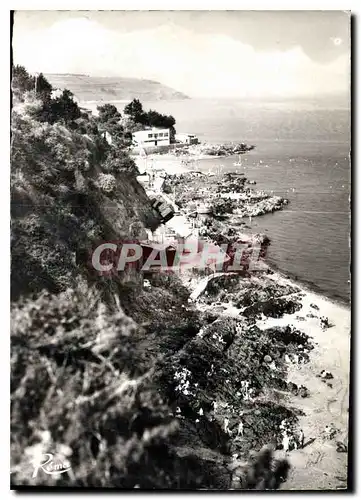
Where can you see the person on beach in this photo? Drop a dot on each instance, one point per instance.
(226, 425)
(325, 323)
(327, 432)
(240, 429)
(301, 439)
(286, 442)
(283, 425)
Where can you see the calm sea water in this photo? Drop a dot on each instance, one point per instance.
(302, 153)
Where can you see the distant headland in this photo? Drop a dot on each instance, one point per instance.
(88, 88)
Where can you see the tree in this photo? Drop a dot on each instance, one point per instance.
(108, 113)
(135, 110)
(109, 121)
(21, 80)
(68, 108)
(155, 119)
(43, 87)
(62, 108)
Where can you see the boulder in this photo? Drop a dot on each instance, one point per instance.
(292, 387)
(340, 447)
(303, 392)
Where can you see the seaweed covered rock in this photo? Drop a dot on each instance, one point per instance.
(273, 307)
(255, 288)
(222, 285)
(225, 149)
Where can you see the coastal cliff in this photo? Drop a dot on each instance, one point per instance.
(138, 387)
(93, 88)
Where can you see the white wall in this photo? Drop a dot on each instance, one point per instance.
(156, 135)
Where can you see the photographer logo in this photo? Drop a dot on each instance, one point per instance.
(51, 465)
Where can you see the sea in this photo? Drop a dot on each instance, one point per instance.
(302, 152)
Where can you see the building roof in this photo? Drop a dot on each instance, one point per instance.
(150, 130)
(159, 246)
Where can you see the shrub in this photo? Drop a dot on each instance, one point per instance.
(60, 109)
(61, 379)
(119, 161)
(21, 80)
(106, 182)
(108, 114)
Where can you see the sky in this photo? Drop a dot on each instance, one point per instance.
(244, 54)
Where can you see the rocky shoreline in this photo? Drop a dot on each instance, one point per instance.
(219, 150)
(191, 152)
(226, 195)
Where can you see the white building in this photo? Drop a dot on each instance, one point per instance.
(186, 138)
(151, 138)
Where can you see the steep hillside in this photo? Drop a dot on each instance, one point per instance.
(92, 88)
(61, 204)
(131, 385)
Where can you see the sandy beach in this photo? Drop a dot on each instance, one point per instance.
(318, 466)
(181, 162)
(169, 162)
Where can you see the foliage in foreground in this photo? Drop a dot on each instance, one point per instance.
(78, 378)
(82, 389)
